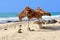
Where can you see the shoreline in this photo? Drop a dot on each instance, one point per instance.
(10, 31)
(13, 19)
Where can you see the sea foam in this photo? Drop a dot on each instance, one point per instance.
(5, 19)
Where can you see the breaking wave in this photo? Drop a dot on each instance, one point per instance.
(5, 19)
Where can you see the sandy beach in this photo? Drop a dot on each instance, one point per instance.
(9, 31)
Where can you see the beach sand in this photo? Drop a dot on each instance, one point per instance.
(9, 31)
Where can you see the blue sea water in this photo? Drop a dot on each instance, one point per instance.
(8, 14)
(55, 13)
(16, 14)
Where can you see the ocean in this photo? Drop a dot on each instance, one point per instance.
(8, 14)
(2, 15)
(13, 16)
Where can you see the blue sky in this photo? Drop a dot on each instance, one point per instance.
(19, 5)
